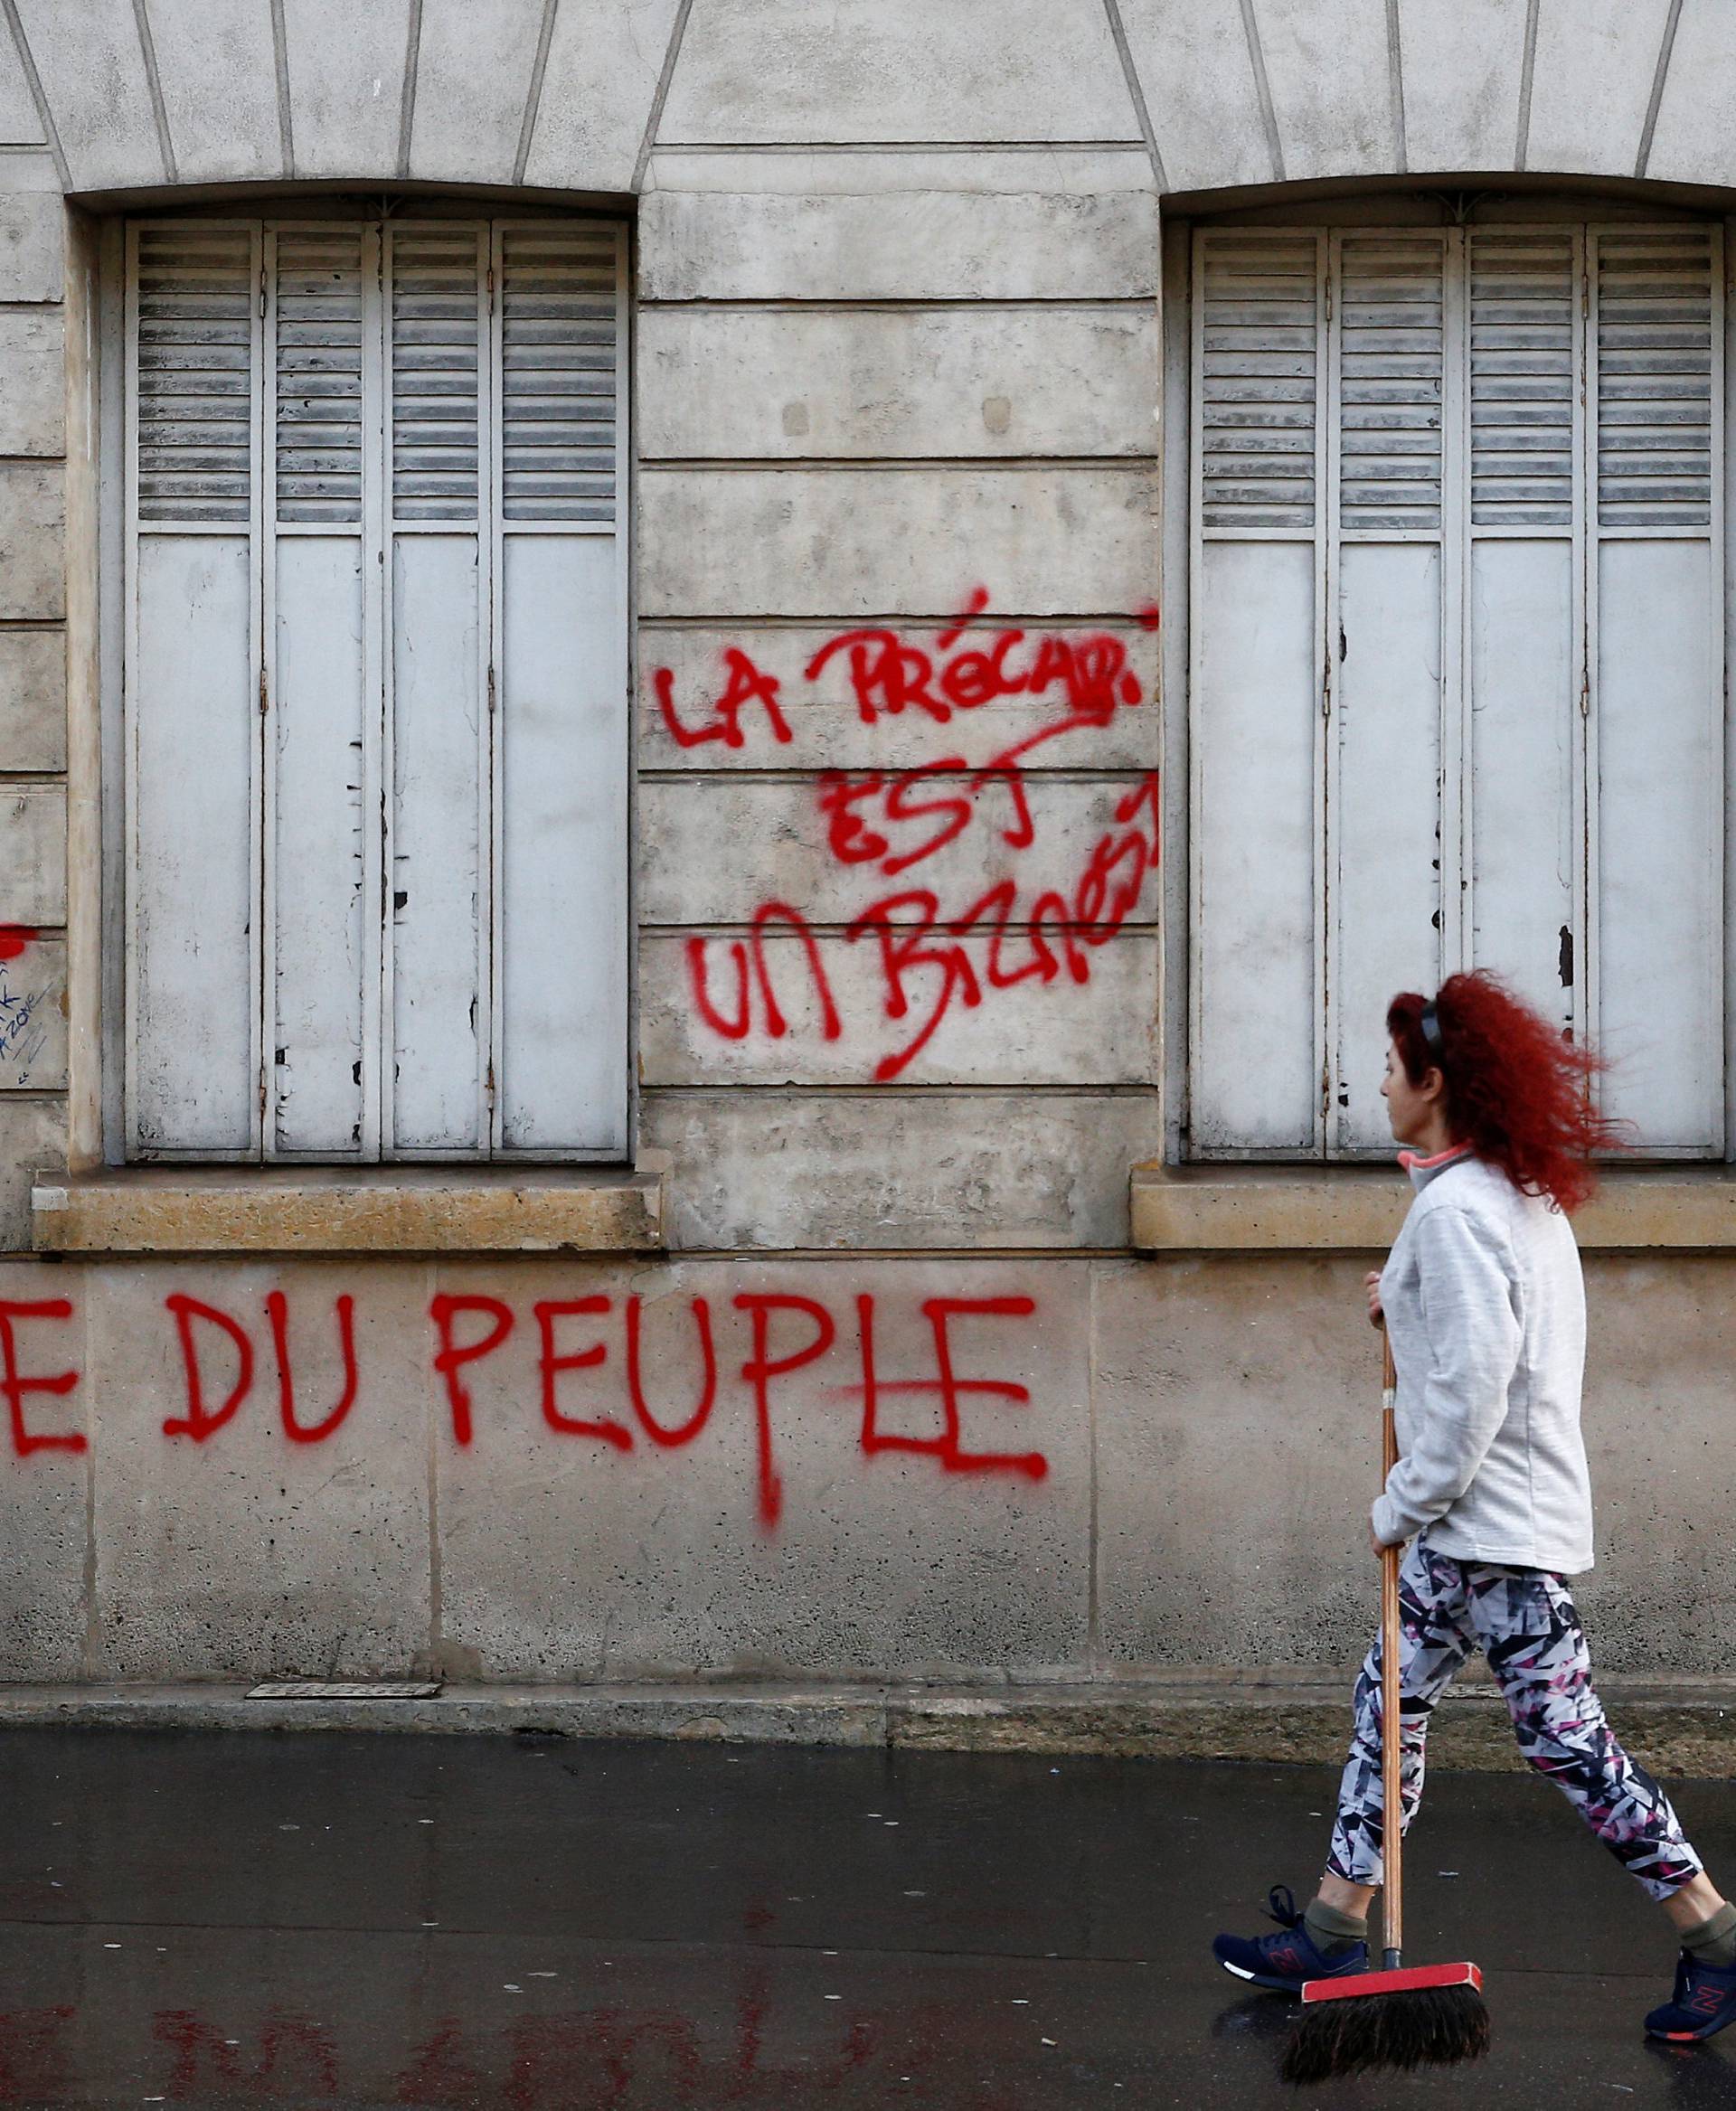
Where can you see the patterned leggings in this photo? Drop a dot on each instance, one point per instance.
(1524, 1621)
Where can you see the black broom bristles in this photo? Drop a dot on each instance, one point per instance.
(1430, 2026)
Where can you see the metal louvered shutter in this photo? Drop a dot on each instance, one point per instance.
(191, 656)
(1525, 375)
(559, 351)
(1389, 369)
(1654, 571)
(376, 614)
(1257, 379)
(439, 331)
(1456, 660)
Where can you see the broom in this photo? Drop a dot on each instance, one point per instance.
(1432, 2014)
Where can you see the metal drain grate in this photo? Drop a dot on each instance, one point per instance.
(336, 1690)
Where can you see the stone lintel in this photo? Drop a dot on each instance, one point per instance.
(1359, 1209)
(316, 1210)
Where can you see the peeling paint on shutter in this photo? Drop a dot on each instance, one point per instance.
(191, 722)
(319, 360)
(377, 618)
(1494, 733)
(195, 290)
(437, 327)
(1258, 359)
(1655, 355)
(1390, 292)
(1524, 289)
(1656, 720)
(558, 374)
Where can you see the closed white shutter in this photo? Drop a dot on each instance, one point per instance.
(1525, 616)
(1390, 556)
(1257, 614)
(376, 616)
(1495, 456)
(1655, 579)
(194, 770)
(322, 687)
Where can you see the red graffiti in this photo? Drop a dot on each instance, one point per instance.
(200, 1422)
(201, 2050)
(550, 2052)
(760, 1370)
(16, 940)
(452, 1358)
(593, 1374)
(278, 1311)
(775, 1024)
(934, 955)
(744, 684)
(15, 1385)
(440, 2071)
(683, 1432)
(550, 1366)
(948, 1387)
(33, 2056)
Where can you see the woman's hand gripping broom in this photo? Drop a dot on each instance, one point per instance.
(1432, 2014)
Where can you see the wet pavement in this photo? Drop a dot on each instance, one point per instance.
(525, 1923)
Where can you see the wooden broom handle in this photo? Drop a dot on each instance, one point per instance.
(1391, 1753)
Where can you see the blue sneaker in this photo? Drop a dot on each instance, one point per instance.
(1703, 2001)
(1286, 1960)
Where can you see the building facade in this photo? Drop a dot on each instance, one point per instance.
(720, 725)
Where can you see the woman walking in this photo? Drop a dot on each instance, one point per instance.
(1483, 1303)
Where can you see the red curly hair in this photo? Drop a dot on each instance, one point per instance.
(1517, 1091)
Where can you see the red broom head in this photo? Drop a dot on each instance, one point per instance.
(1409, 1979)
(1434, 2016)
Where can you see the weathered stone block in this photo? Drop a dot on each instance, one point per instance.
(92, 66)
(864, 172)
(888, 1169)
(759, 1546)
(44, 1465)
(713, 852)
(1331, 81)
(1043, 1029)
(247, 1552)
(32, 1014)
(32, 856)
(1661, 1344)
(890, 69)
(32, 384)
(940, 244)
(1198, 77)
(217, 68)
(1462, 71)
(1692, 142)
(864, 541)
(1591, 84)
(1238, 1451)
(33, 1140)
(32, 699)
(346, 85)
(832, 727)
(473, 75)
(598, 87)
(20, 125)
(33, 245)
(1048, 381)
(32, 539)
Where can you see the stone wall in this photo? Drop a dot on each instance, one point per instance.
(898, 378)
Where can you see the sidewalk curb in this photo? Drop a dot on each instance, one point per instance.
(1680, 1728)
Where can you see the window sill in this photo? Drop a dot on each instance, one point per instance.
(1276, 1208)
(327, 1208)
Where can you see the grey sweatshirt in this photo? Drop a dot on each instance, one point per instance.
(1485, 1309)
